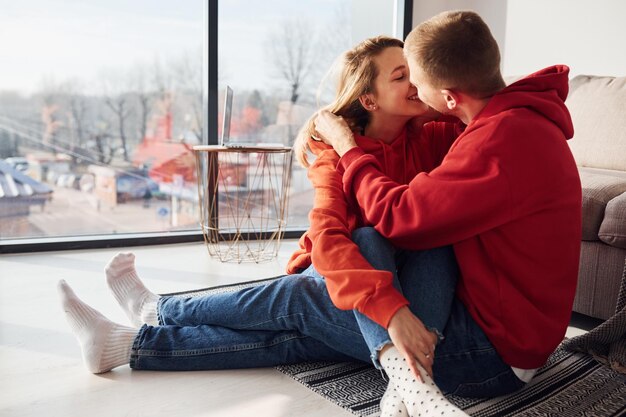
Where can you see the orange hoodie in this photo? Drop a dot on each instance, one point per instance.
(508, 197)
(351, 281)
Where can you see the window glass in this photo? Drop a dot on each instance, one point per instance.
(274, 55)
(99, 104)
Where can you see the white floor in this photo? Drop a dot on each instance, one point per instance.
(41, 373)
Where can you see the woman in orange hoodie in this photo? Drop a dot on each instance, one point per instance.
(293, 319)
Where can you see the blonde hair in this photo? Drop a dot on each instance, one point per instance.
(456, 50)
(357, 75)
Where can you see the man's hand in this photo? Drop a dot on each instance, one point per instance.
(334, 131)
(413, 341)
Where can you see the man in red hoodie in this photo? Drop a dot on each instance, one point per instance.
(507, 197)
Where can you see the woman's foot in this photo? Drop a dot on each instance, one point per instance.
(104, 344)
(391, 404)
(420, 398)
(139, 304)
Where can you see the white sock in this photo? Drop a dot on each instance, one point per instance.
(105, 345)
(139, 304)
(391, 404)
(420, 398)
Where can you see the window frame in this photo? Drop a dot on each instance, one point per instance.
(210, 137)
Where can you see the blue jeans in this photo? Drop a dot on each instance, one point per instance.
(465, 362)
(427, 279)
(286, 321)
(289, 320)
(293, 319)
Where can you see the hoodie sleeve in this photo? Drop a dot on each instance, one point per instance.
(467, 194)
(351, 281)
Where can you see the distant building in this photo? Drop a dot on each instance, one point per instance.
(163, 157)
(18, 192)
(171, 165)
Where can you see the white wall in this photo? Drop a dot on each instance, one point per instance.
(587, 35)
(493, 12)
(371, 18)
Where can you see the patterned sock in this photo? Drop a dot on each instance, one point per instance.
(420, 398)
(104, 344)
(391, 404)
(139, 304)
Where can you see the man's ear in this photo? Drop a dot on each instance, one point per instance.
(451, 98)
(368, 103)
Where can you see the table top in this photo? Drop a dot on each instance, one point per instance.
(245, 148)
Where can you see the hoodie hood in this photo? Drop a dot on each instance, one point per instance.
(392, 156)
(544, 92)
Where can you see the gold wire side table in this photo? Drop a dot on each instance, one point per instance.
(243, 195)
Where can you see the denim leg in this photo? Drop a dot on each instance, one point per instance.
(175, 348)
(427, 279)
(297, 303)
(381, 255)
(312, 272)
(467, 364)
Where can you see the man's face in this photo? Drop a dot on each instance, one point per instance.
(426, 92)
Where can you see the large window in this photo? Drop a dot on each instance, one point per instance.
(101, 102)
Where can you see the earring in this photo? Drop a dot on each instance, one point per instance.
(374, 107)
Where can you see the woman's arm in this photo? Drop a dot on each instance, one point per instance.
(351, 281)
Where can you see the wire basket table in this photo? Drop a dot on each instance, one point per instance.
(243, 195)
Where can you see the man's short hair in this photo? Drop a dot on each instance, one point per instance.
(456, 50)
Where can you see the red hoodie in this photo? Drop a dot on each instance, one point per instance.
(508, 197)
(351, 281)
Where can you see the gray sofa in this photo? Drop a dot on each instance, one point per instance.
(598, 108)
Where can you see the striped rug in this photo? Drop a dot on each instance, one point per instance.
(570, 384)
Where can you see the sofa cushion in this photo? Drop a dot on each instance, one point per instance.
(599, 187)
(613, 227)
(597, 105)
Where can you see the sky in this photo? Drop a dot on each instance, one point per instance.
(245, 26)
(59, 40)
(51, 41)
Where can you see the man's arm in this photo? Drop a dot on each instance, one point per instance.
(465, 196)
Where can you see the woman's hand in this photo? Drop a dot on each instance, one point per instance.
(334, 131)
(413, 340)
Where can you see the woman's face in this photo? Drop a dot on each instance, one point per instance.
(393, 92)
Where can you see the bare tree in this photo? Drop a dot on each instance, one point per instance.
(144, 91)
(50, 114)
(187, 77)
(293, 55)
(116, 98)
(121, 109)
(335, 38)
(79, 120)
(104, 150)
(78, 111)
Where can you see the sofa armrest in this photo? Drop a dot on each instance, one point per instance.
(613, 228)
(599, 187)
